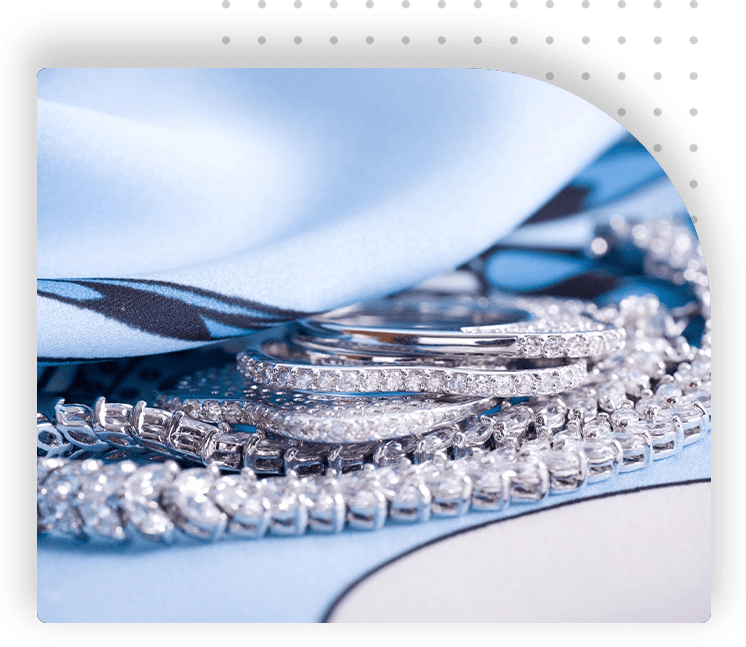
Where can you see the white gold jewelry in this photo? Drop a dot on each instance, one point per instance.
(271, 360)
(224, 395)
(497, 326)
(644, 402)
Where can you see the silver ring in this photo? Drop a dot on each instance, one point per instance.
(273, 360)
(468, 326)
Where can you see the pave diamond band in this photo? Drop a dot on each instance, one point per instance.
(257, 364)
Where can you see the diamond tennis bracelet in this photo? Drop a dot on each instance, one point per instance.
(639, 404)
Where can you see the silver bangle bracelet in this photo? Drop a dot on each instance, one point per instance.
(643, 402)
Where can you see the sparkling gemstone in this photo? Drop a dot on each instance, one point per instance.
(232, 412)
(596, 344)
(456, 382)
(393, 380)
(577, 346)
(281, 377)
(480, 385)
(552, 412)
(531, 346)
(261, 372)
(516, 419)
(611, 396)
(373, 380)
(410, 500)
(670, 393)
(244, 501)
(596, 427)
(98, 501)
(584, 400)
(192, 408)
(528, 481)
(490, 488)
(212, 411)
(326, 505)
(414, 381)
(554, 346)
(302, 379)
(349, 381)
(187, 503)
(502, 385)
(139, 501)
(288, 511)
(326, 381)
(433, 381)
(365, 498)
(450, 491)
(524, 384)
(55, 497)
(622, 417)
(544, 382)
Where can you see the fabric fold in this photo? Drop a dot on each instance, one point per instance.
(178, 207)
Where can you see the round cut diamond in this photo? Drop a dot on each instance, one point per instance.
(456, 382)
(577, 346)
(373, 380)
(524, 384)
(480, 385)
(554, 346)
(414, 381)
(531, 346)
(393, 380)
(433, 381)
(349, 381)
(326, 381)
(502, 385)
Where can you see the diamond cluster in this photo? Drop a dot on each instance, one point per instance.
(643, 402)
(522, 453)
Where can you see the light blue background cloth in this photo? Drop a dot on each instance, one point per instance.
(233, 199)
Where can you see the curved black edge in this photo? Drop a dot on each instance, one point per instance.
(327, 616)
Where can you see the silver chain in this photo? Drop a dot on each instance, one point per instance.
(641, 404)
